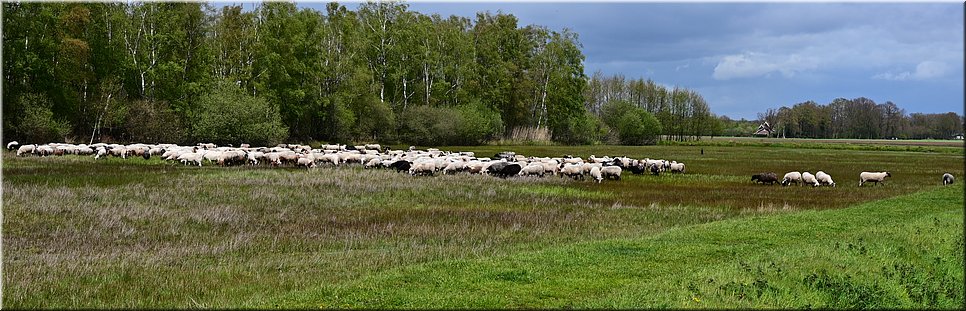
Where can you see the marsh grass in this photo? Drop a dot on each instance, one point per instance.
(147, 233)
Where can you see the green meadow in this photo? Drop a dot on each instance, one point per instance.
(141, 233)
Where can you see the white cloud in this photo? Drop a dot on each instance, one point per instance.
(751, 64)
(924, 70)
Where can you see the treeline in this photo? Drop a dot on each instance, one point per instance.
(681, 113)
(189, 72)
(860, 118)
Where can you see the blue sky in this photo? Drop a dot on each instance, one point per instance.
(747, 57)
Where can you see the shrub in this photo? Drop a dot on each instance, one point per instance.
(153, 122)
(632, 125)
(37, 123)
(228, 115)
(471, 124)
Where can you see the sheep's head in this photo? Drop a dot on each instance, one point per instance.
(755, 177)
(888, 174)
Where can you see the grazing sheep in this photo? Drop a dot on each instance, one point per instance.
(101, 152)
(423, 168)
(401, 165)
(595, 173)
(504, 169)
(572, 170)
(676, 167)
(12, 145)
(532, 169)
(611, 172)
(808, 178)
(877, 178)
(948, 179)
(792, 177)
(824, 178)
(26, 149)
(44, 150)
(373, 163)
(766, 177)
(306, 162)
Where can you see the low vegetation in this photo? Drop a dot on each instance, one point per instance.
(146, 233)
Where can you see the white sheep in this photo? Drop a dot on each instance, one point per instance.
(948, 179)
(307, 162)
(611, 172)
(877, 177)
(810, 179)
(12, 145)
(532, 169)
(26, 149)
(792, 177)
(676, 167)
(824, 178)
(572, 170)
(101, 152)
(595, 173)
(423, 168)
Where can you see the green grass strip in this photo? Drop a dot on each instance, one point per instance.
(903, 252)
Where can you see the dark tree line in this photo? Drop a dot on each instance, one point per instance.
(860, 118)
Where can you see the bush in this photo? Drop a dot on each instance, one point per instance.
(632, 125)
(37, 123)
(153, 122)
(578, 129)
(228, 115)
(471, 124)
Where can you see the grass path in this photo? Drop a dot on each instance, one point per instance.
(903, 252)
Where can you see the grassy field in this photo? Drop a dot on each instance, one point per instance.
(145, 233)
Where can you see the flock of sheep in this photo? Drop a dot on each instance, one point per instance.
(415, 162)
(412, 161)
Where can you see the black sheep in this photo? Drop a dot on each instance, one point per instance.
(401, 165)
(504, 169)
(769, 177)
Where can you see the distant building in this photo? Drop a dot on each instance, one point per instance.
(764, 129)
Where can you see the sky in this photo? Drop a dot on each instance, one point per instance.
(744, 58)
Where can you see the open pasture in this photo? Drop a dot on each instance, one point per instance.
(147, 233)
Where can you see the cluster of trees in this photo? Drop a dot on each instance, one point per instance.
(681, 114)
(860, 118)
(189, 72)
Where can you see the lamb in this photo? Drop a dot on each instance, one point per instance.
(948, 179)
(792, 177)
(611, 172)
(808, 178)
(824, 178)
(595, 173)
(877, 178)
(767, 177)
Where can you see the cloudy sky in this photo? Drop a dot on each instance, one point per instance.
(747, 57)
